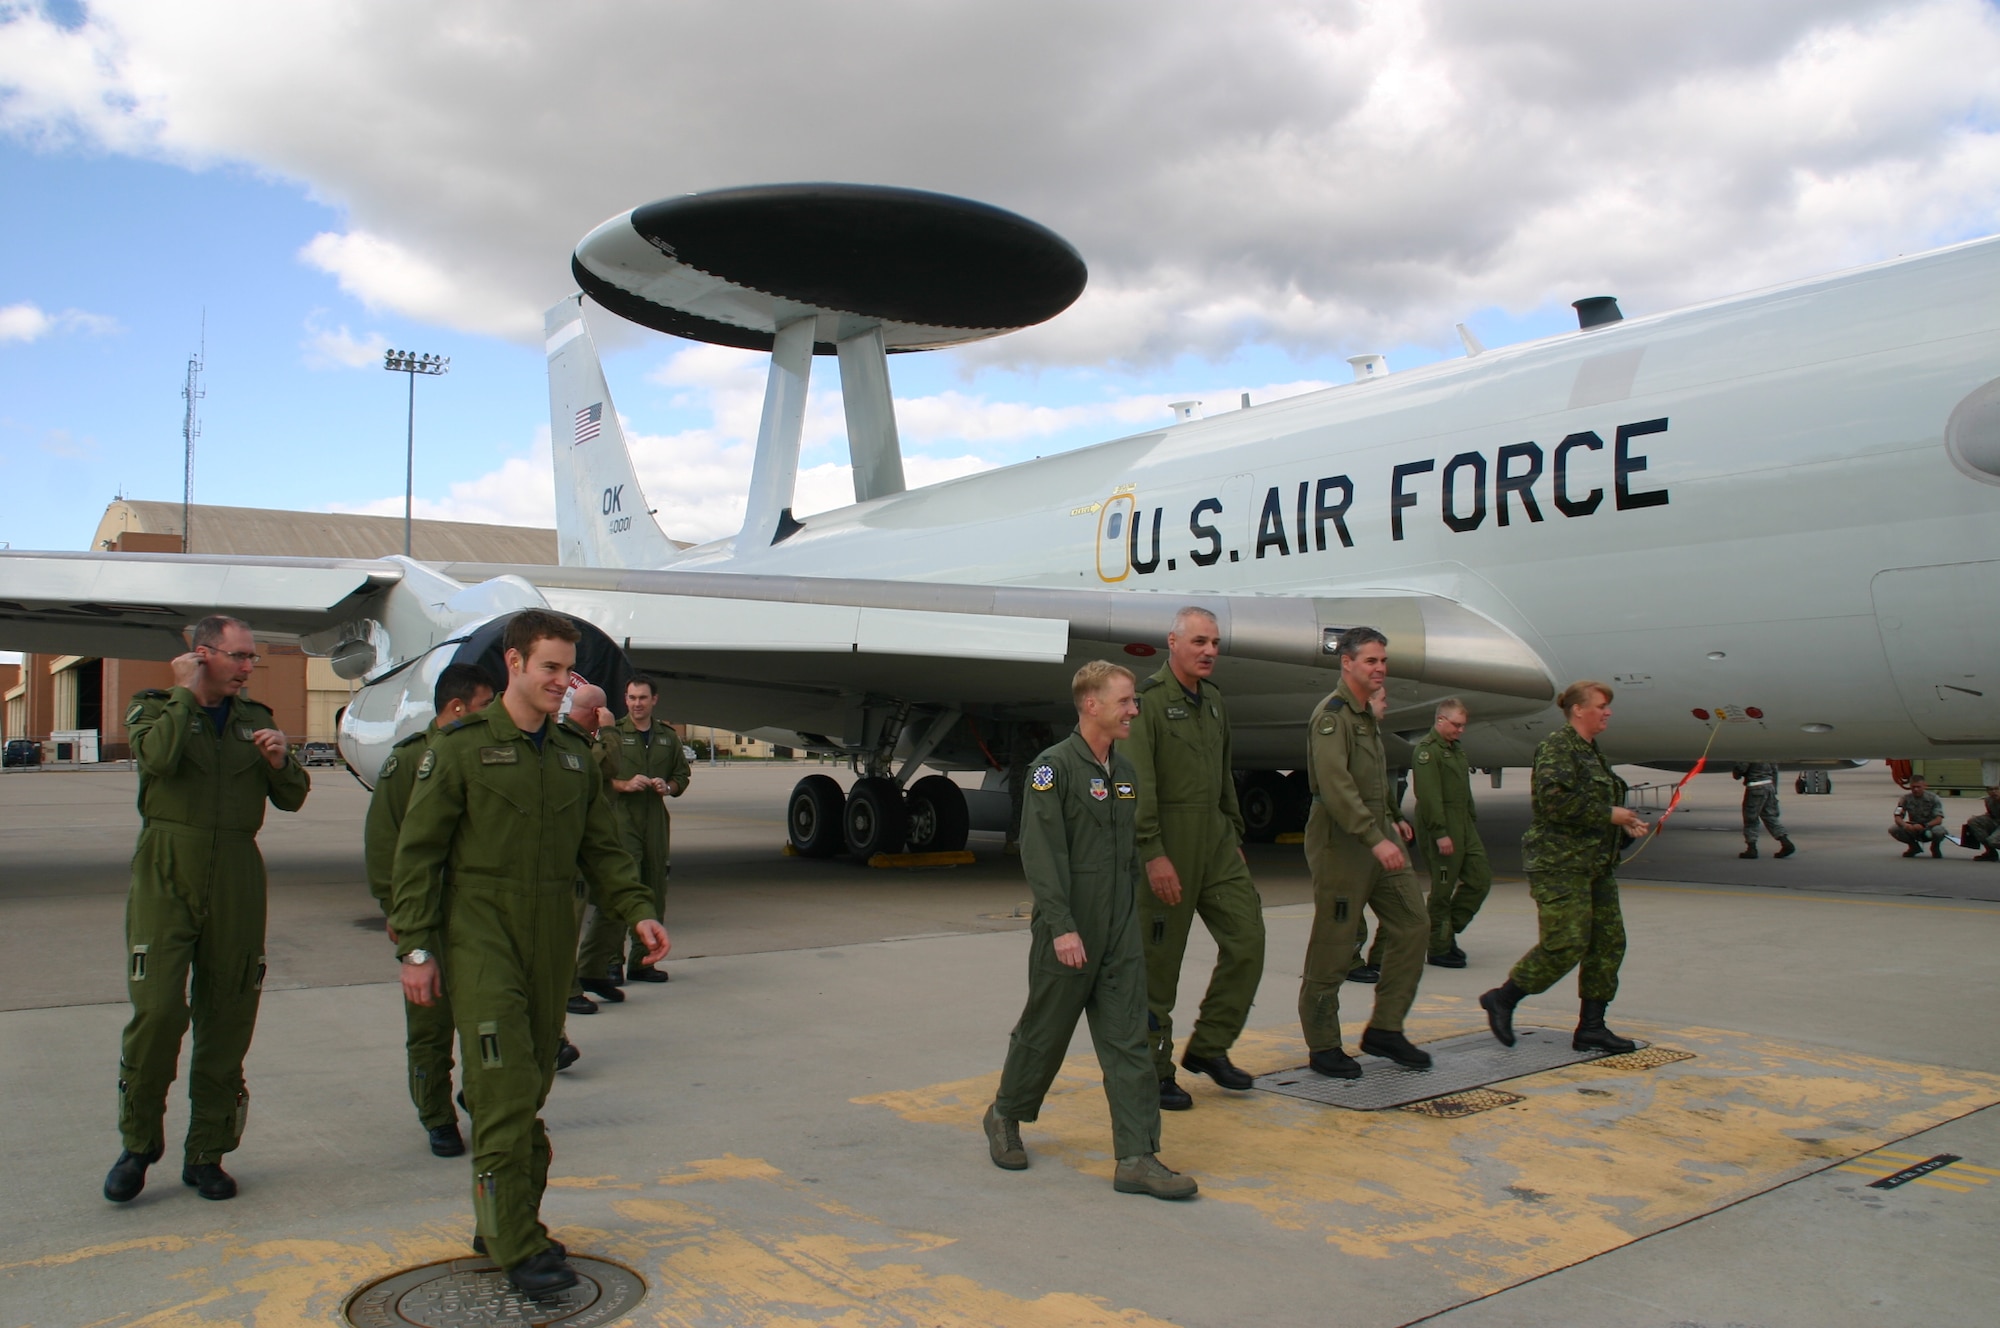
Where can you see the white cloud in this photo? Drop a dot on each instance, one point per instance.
(337, 348)
(1322, 175)
(27, 322)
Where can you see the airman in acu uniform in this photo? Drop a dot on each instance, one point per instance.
(1084, 958)
(1354, 846)
(209, 758)
(461, 690)
(512, 807)
(1190, 836)
(649, 766)
(1448, 829)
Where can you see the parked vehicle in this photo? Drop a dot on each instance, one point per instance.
(22, 751)
(320, 753)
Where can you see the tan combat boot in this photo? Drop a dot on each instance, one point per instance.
(1003, 1141)
(1144, 1173)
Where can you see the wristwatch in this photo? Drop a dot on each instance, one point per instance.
(417, 957)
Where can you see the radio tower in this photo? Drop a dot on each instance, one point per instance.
(191, 392)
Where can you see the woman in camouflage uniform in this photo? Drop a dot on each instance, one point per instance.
(1571, 856)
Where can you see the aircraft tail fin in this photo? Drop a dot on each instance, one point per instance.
(602, 519)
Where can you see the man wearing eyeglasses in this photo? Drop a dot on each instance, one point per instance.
(209, 758)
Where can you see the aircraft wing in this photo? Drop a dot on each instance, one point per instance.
(135, 606)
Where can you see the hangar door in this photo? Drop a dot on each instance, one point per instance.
(1943, 642)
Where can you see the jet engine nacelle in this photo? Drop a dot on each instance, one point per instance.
(398, 702)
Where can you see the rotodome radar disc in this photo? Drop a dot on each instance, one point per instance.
(732, 266)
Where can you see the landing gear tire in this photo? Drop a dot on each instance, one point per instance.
(938, 819)
(1263, 799)
(874, 820)
(813, 817)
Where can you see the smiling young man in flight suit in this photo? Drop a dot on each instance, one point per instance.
(649, 766)
(511, 806)
(1082, 863)
(209, 758)
(1190, 836)
(1354, 846)
(461, 690)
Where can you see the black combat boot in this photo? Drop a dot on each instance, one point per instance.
(1788, 848)
(1173, 1097)
(128, 1175)
(1334, 1063)
(1592, 1035)
(446, 1141)
(1500, 1003)
(1912, 851)
(209, 1180)
(1749, 851)
(1990, 855)
(542, 1273)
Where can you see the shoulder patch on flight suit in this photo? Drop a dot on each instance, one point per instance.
(132, 715)
(1125, 789)
(570, 760)
(424, 766)
(1326, 726)
(1043, 779)
(1423, 756)
(1097, 789)
(499, 756)
(388, 767)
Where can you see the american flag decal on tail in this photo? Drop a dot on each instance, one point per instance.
(589, 421)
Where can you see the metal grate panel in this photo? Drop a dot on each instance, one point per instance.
(1469, 1103)
(1646, 1058)
(1471, 1060)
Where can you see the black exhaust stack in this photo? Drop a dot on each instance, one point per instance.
(1596, 311)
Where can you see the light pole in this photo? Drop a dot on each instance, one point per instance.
(411, 363)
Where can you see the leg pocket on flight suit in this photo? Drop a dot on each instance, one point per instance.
(489, 1046)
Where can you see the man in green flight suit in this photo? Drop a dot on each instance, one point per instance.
(509, 809)
(1190, 837)
(1448, 829)
(650, 766)
(1354, 846)
(1082, 863)
(461, 690)
(209, 757)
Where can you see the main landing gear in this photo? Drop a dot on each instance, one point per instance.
(1272, 804)
(876, 816)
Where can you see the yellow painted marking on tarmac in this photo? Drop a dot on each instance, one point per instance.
(737, 1241)
(1939, 1184)
(593, 1183)
(1782, 896)
(158, 1244)
(727, 1167)
(1492, 1199)
(1978, 1171)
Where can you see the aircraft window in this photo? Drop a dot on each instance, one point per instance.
(1114, 525)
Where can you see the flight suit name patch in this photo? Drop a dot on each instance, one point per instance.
(1125, 790)
(1043, 779)
(244, 732)
(499, 756)
(1177, 712)
(570, 760)
(1098, 791)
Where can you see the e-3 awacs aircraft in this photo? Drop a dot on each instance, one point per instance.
(1774, 513)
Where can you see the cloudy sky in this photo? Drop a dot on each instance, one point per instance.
(1260, 190)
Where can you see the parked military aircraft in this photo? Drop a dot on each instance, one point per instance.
(1768, 521)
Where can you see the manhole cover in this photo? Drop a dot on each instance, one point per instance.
(462, 1293)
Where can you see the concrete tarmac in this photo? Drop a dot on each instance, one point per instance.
(788, 1131)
